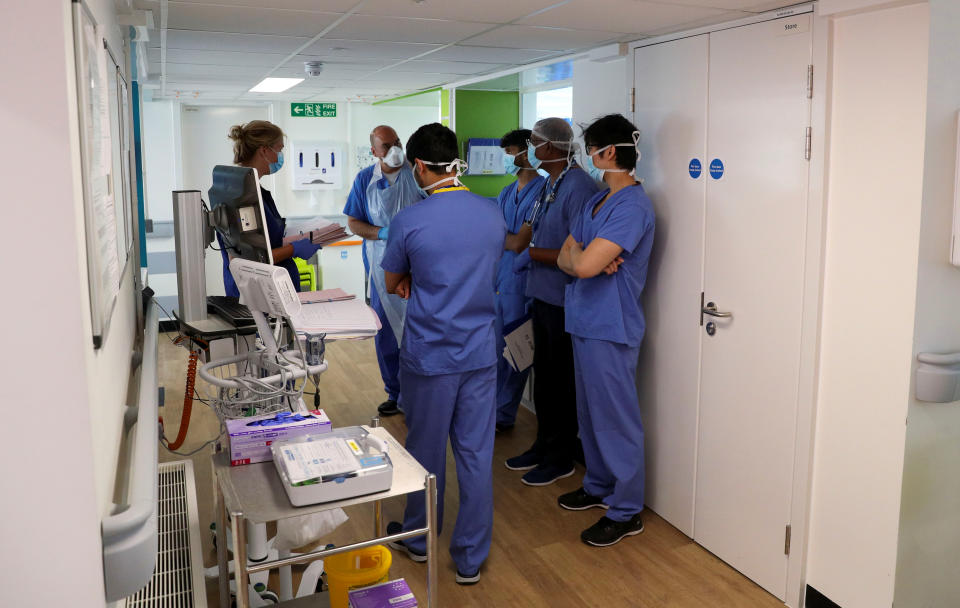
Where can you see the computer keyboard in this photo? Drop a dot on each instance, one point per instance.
(230, 309)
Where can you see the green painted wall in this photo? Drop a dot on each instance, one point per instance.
(485, 114)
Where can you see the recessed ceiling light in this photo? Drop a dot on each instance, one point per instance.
(275, 85)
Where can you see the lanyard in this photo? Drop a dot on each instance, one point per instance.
(451, 189)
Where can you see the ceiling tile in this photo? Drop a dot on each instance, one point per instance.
(223, 41)
(733, 5)
(214, 58)
(337, 6)
(354, 49)
(394, 29)
(545, 38)
(622, 16)
(487, 11)
(487, 54)
(248, 20)
(447, 67)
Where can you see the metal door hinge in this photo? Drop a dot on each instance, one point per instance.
(633, 99)
(810, 81)
(786, 541)
(808, 143)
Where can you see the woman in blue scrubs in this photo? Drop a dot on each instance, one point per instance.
(516, 201)
(258, 144)
(607, 253)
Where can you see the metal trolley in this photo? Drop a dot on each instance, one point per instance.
(254, 493)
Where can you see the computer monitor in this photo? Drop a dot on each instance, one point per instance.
(236, 209)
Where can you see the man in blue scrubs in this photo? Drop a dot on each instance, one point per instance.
(608, 253)
(378, 193)
(554, 392)
(442, 254)
(513, 306)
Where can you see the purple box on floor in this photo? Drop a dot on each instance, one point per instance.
(391, 594)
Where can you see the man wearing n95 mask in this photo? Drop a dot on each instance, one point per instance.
(379, 192)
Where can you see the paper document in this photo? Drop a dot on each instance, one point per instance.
(520, 344)
(326, 295)
(318, 459)
(351, 317)
(318, 230)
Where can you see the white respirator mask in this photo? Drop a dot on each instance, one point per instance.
(394, 157)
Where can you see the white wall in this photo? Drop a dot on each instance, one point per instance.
(599, 88)
(928, 562)
(875, 177)
(161, 165)
(68, 484)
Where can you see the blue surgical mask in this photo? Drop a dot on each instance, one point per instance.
(592, 169)
(274, 167)
(532, 155)
(509, 166)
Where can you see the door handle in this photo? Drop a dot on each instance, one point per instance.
(711, 309)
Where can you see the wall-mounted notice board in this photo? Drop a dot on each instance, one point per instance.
(105, 183)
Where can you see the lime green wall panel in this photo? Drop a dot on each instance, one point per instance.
(485, 114)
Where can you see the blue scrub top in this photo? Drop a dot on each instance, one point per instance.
(450, 244)
(515, 205)
(608, 307)
(276, 226)
(544, 282)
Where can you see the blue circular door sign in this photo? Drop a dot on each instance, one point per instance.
(716, 168)
(695, 168)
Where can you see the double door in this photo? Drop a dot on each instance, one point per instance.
(724, 118)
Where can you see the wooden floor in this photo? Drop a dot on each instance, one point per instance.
(537, 559)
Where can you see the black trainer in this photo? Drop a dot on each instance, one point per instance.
(523, 462)
(395, 527)
(579, 500)
(607, 532)
(388, 408)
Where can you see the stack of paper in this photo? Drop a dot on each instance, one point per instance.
(339, 319)
(519, 346)
(318, 230)
(325, 295)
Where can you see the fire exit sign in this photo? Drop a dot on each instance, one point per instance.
(314, 110)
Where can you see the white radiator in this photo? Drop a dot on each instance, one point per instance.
(177, 580)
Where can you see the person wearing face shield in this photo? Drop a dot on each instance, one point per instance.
(516, 202)
(607, 253)
(378, 193)
(567, 190)
(258, 144)
(442, 254)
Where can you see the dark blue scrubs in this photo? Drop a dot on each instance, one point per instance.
(276, 226)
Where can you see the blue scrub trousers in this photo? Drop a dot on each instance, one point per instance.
(460, 406)
(510, 308)
(388, 352)
(610, 428)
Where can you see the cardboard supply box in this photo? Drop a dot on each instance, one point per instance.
(251, 438)
(391, 594)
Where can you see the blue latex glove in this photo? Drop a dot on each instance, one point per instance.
(304, 249)
(382, 233)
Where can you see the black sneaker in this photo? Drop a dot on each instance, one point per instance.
(395, 527)
(388, 408)
(579, 500)
(607, 532)
(523, 462)
(468, 579)
(546, 474)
